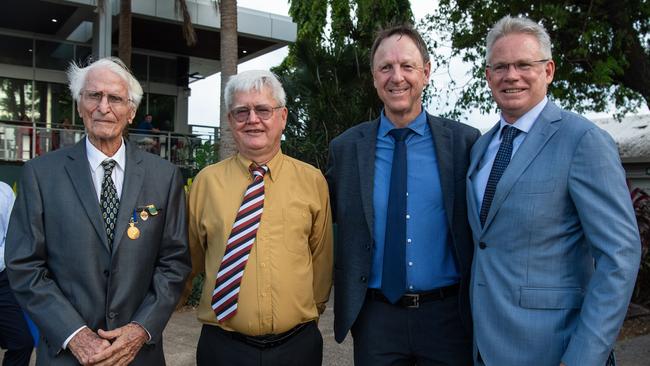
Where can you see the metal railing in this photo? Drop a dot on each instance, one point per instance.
(21, 141)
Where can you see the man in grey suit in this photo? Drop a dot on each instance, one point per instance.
(97, 245)
(403, 248)
(556, 242)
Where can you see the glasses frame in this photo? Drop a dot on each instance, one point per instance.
(497, 70)
(96, 102)
(248, 115)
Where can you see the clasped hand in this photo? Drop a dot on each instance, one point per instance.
(115, 347)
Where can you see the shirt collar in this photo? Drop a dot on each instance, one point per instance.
(418, 125)
(525, 122)
(96, 157)
(275, 164)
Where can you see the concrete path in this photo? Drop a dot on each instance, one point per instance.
(182, 333)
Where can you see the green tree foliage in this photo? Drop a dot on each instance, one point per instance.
(327, 73)
(601, 49)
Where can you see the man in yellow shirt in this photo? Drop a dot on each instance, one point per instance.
(261, 229)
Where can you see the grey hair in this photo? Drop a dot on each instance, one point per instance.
(254, 80)
(77, 77)
(511, 25)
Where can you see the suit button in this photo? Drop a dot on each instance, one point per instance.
(363, 279)
(482, 245)
(106, 273)
(112, 315)
(367, 246)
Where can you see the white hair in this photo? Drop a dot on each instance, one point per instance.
(511, 25)
(77, 77)
(254, 80)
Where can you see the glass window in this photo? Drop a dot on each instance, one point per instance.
(15, 99)
(139, 67)
(162, 70)
(163, 110)
(52, 102)
(53, 55)
(15, 50)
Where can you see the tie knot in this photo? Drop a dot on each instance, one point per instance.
(399, 134)
(258, 170)
(108, 165)
(508, 133)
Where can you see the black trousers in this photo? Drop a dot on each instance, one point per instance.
(431, 335)
(217, 348)
(14, 332)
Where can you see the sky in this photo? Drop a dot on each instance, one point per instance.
(204, 99)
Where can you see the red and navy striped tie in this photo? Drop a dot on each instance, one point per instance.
(240, 243)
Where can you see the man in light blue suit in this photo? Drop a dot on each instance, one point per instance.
(556, 242)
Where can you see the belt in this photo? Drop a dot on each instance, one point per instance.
(267, 340)
(413, 300)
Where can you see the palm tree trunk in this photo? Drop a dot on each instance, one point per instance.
(124, 46)
(229, 57)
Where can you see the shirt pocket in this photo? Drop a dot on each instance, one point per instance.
(551, 297)
(297, 228)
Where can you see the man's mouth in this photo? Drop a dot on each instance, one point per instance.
(513, 91)
(397, 91)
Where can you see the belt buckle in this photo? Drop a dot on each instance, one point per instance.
(414, 300)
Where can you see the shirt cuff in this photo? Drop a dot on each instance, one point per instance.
(67, 340)
(145, 329)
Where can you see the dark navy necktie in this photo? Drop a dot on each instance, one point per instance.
(393, 279)
(109, 200)
(501, 161)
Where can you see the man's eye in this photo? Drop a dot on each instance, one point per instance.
(500, 67)
(240, 112)
(523, 66)
(115, 99)
(262, 110)
(95, 95)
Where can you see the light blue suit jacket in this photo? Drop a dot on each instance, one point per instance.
(555, 264)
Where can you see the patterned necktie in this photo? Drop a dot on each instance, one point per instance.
(240, 243)
(109, 200)
(501, 161)
(393, 278)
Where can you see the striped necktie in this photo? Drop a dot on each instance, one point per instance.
(240, 243)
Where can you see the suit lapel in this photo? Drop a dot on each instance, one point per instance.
(78, 171)
(366, 145)
(443, 143)
(542, 130)
(476, 154)
(133, 178)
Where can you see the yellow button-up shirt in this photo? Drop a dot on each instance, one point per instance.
(288, 276)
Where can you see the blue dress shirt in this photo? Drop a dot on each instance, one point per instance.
(6, 204)
(523, 124)
(430, 262)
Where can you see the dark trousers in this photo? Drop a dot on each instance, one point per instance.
(216, 347)
(14, 332)
(431, 335)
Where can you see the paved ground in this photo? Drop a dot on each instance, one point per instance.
(183, 331)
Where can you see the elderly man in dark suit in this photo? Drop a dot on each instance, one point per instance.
(404, 248)
(97, 246)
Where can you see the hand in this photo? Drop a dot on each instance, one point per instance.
(86, 344)
(126, 343)
(562, 364)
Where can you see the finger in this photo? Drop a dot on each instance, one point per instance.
(109, 334)
(107, 353)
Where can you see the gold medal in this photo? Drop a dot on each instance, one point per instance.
(133, 232)
(144, 215)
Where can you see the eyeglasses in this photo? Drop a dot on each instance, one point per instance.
(94, 98)
(520, 66)
(264, 112)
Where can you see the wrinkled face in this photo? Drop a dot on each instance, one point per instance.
(257, 139)
(400, 75)
(104, 106)
(517, 75)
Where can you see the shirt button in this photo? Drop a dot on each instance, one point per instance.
(112, 315)
(407, 194)
(410, 264)
(411, 287)
(408, 216)
(363, 279)
(482, 245)
(263, 265)
(408, 240)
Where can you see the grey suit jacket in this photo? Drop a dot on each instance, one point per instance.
(59, 262)
(555, 262)
(350, 175)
